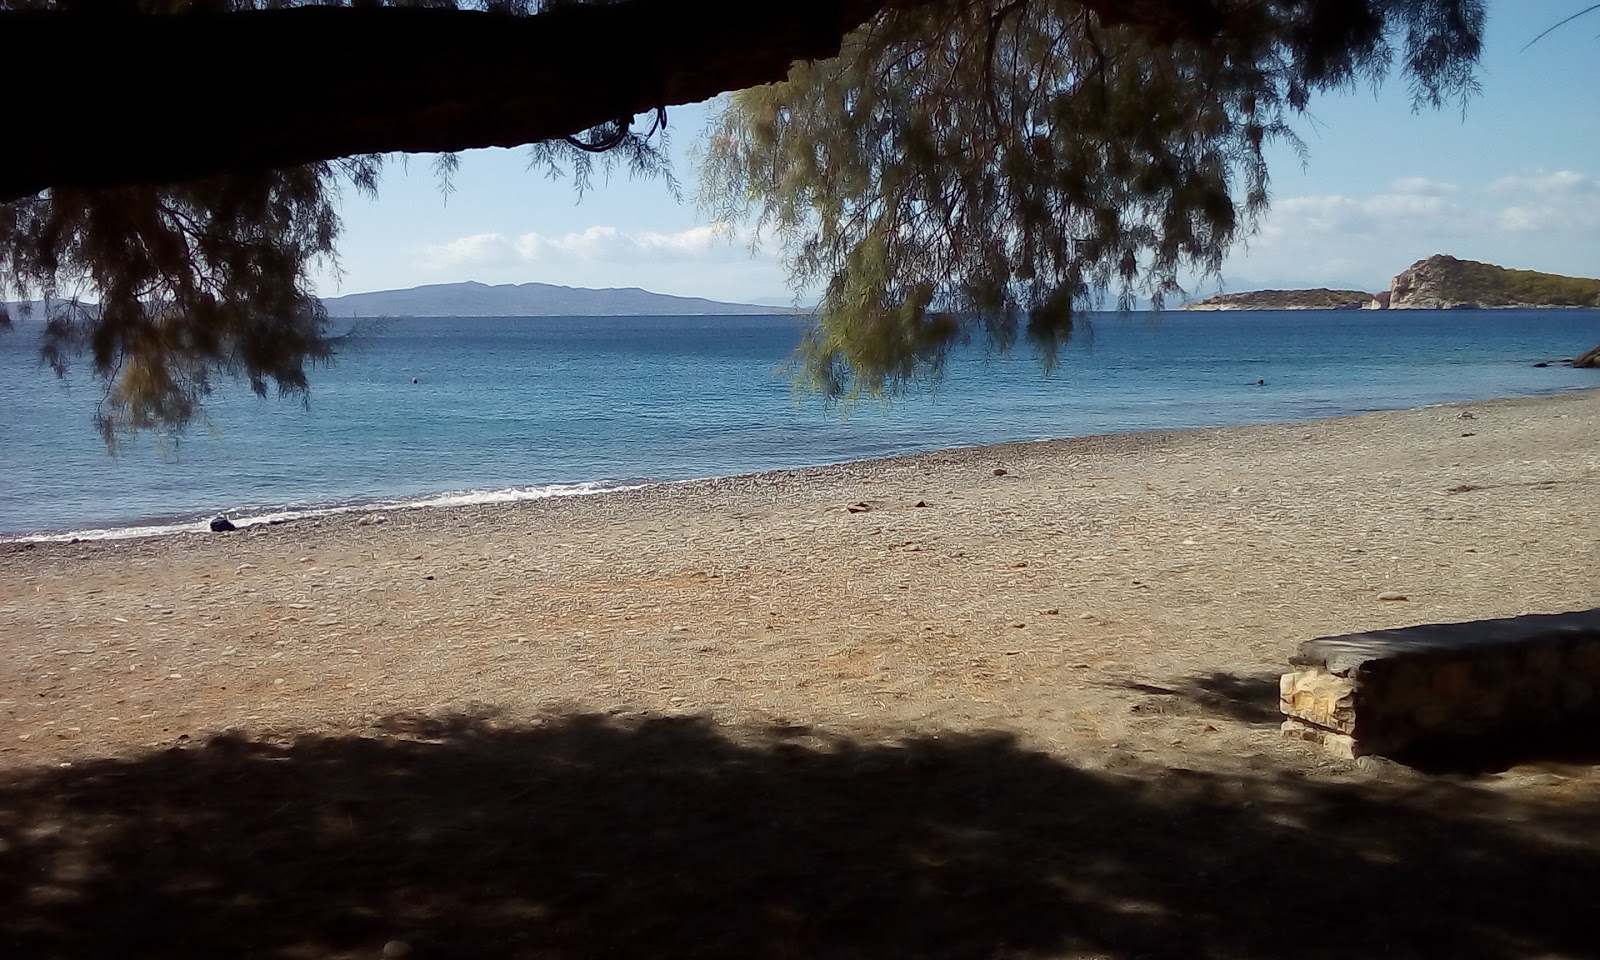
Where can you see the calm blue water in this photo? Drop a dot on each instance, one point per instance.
(511, 407)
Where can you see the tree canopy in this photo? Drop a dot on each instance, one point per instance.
(939, 167)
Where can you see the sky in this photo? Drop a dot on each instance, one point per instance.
(1513, 180)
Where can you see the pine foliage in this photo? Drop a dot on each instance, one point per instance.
(993, 167)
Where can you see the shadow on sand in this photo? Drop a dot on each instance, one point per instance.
(593, 836)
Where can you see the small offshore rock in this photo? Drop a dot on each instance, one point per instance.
(1392, 595)
(222, 525)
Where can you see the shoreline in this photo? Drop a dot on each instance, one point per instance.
(974, 588)
(254, 517)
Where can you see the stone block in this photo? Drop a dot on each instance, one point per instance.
(1319, 697)
(1390, 690)
(1340, 745)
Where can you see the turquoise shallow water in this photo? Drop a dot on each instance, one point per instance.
(518, 408)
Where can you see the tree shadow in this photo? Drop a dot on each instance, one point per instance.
(1570, 747)
(596, 836)
(1251, 699)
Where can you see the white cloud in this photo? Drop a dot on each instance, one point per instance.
(1541, 220)
(1561, 201)
(705, 260)
(1423, 186)
(1556, 183)
(594, 245)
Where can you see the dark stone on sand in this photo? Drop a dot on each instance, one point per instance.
(999, 472)
(222, 525)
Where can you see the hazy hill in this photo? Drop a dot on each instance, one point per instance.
(1318, 299)
(473, 299)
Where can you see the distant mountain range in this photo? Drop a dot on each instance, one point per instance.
(473, 299)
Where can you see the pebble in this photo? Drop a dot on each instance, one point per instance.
(1391, 595)
(999, 472)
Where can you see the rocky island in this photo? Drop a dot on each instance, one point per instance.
(1438, 283)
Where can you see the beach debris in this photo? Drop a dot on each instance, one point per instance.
(861, 507)
(1392, 595)
(1466, 415)
(1052, 612)
(372, 519)
(221, 524)
(1469, 434)
(241, 568)
(1018, 624)
(999, 471)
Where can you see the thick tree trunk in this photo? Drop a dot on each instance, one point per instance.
(192, 95)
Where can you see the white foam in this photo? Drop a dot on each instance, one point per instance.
(462, 498)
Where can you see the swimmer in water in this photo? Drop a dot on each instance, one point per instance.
(1259, 383)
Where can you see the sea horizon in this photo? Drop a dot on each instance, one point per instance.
(503, 409)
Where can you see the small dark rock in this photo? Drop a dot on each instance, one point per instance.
(999, 472)
(862, 507)
(922, 503)
(222, 525)
(1541, 363)
(1469, 434)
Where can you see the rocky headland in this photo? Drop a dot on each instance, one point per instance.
(1438, 283)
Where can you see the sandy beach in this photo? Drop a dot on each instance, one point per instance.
(989, 702)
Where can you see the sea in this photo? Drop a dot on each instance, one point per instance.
(443, 411)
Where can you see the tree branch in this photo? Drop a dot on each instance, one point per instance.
(191, 95)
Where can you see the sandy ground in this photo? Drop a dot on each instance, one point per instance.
(1091, 637)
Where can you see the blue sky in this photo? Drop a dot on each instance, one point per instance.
(1515, 181)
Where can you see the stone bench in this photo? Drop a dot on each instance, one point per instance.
(1392, 691)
